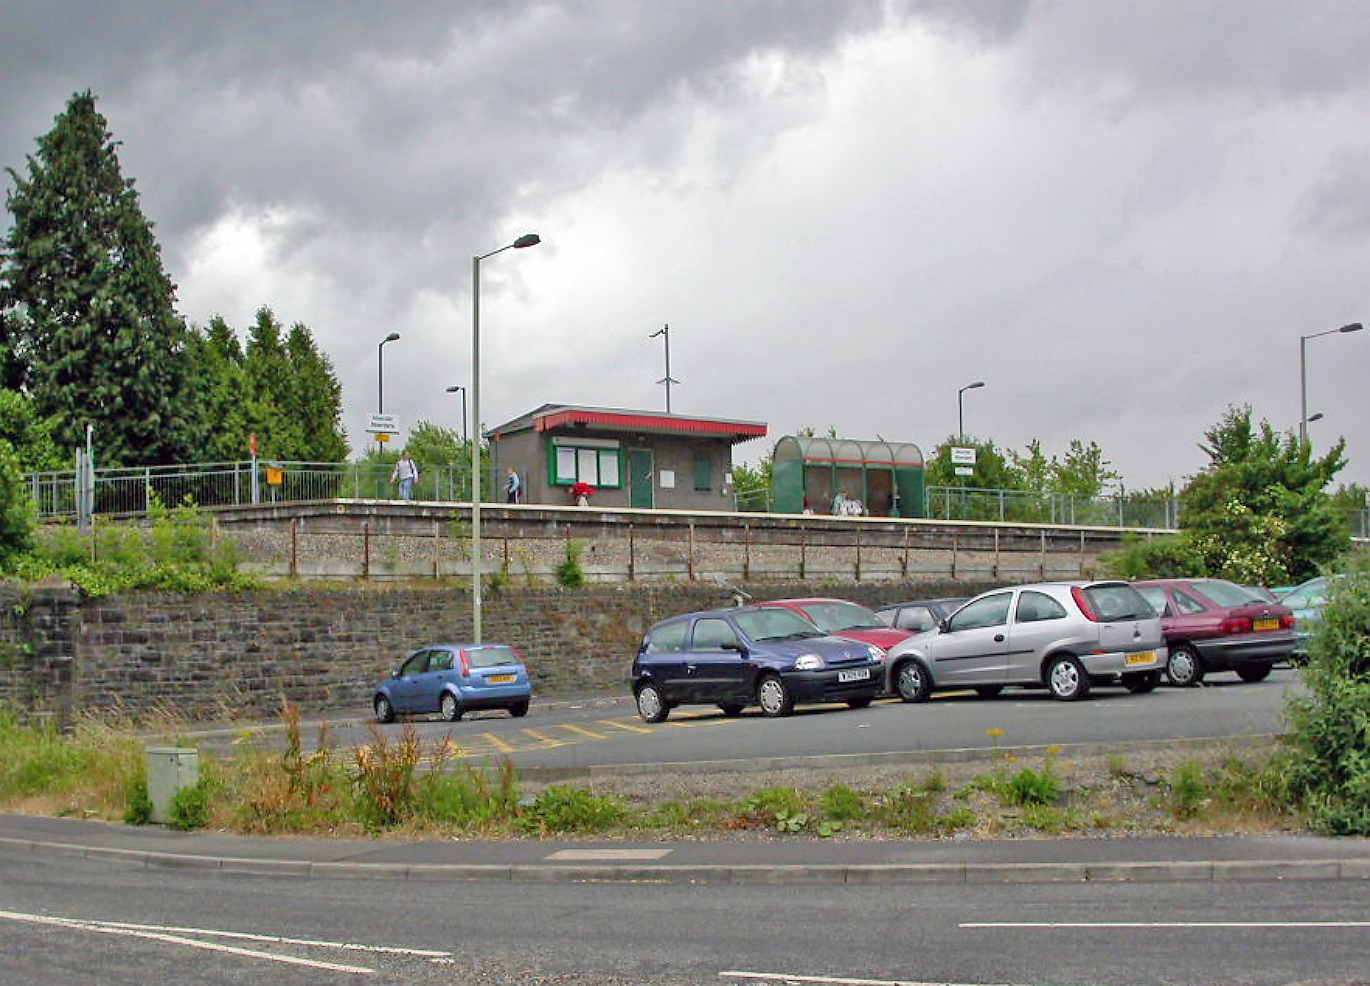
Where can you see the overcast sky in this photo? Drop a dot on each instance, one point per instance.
(1120, 216)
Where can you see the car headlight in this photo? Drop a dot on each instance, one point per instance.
(809, 662)
(876, 653)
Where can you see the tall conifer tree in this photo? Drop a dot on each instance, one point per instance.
(88, 308)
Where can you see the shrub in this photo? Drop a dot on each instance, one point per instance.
(189, 808)
(139, 808)
(470, 798)
(1187, 790)
(569, 572)
(1330, 726)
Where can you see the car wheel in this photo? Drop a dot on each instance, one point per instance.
(988, 691)
(1184, 667)
(731, 711)
(1254, 672)
(1142, 682)
(1067, 680)
(773, 697)
(450, 708)
(859, 703)
(385, 712)
(519, 710)
(651, 706)
(912, 682)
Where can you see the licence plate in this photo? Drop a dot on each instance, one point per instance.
(860, 674)
(1265, 625)
(501, 679)
(1141, 657)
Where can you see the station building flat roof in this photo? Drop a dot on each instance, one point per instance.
(549, 417)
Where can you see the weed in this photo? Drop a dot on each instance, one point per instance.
(774, 800)
(786, 821)
(569, 572)
(1187, 790)
(840, 803)
(139, 808)
(470, 798)
(935, 782)
(570, 809)
(1033, 787)
(383, 779)
(910, 810)
(189, 808)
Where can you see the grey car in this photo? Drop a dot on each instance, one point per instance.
(1064, 636)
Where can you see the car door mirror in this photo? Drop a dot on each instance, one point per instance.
(395, 673)
(733, 645)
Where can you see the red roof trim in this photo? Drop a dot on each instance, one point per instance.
(628, 422)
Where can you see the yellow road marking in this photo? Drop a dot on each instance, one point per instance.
(584, 732)
(499, 744)
(625, 725)
(545, 740)
(687, 724)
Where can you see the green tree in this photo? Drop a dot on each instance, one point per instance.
(752, 486)
(88, 308)
(1084, 472)
(314, 397)
(266, 391)
(29, 438)
(993, 469)
(1034, 468)
(1260, 511)
(18, 518)
(218, 385)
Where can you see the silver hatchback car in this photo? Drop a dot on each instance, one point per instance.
(1066, 636)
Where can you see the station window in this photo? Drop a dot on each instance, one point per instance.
(600, 467)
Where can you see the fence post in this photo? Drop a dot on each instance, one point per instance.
(955, 539)
(1043, 563)
(803, 552)
(904, 558)
(1082, 554)
(437, 550)
(366, 550)
(690, 557)
(858, 553)
(996, 552)
(746, 552)
(632, 551)
(294, 547)
(147, 489)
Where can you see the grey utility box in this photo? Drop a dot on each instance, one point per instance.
(169, 768)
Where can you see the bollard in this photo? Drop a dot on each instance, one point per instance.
(169, 769)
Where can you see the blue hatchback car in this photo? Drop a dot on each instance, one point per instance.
(753, 655)
(453, 679)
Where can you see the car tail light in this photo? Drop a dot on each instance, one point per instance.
(1082, 601)
(465, 664)
(1235, 624)
(1288, 621)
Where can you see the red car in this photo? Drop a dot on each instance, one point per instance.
(1216, 625)
(840, 618)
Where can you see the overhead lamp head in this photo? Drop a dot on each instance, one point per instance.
(1353, 327)
(972, 386)
(454, 388)
(527, 240)
(391, 337)
(1314, 417)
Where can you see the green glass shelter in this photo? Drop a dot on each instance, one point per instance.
(817, 474)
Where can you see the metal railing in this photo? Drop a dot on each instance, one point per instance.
(216, 484)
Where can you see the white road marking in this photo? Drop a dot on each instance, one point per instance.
(628, 854)
(837, 981)
(278, 940)
(1165, 924)
(105, 929)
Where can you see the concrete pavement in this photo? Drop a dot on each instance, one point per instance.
(776, 861)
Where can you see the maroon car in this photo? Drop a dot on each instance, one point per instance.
(840, 618)
(1216, 625)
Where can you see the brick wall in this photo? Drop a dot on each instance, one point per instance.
(239, 654)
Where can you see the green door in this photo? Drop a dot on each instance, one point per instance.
(640, 478)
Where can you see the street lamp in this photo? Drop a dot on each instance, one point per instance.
(665, 333)
(452, 390)
(1303, 374)
(526, 240)
(380, 371)
(960, 412)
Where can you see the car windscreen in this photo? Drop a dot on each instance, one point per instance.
(1155, 595)
(1227, 593)
(491, 656)
(835, 617)
(1118, 602)
(775, 624)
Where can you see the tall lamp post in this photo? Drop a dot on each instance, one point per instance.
(1303, 374)
(452, 390)
(960, 409)
(526, 240)
(380, 371)
(665, 333)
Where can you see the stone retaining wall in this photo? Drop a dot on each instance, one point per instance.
(239, 654)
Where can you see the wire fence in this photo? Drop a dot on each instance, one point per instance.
(216, 484)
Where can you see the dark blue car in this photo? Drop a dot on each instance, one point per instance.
(733, 658)
(453, 679)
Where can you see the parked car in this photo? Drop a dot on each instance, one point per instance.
(1215, 625)
(453, 679)
(840, 618)
(919, 614)
(755, 655)
(1306, 601)
(1066, 636)
(1261, 592)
